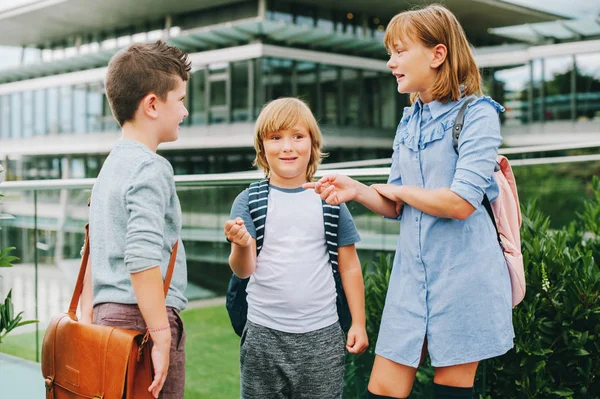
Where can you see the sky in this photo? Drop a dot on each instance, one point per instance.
(9, 57)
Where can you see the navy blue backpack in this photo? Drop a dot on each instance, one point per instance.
(236, 303)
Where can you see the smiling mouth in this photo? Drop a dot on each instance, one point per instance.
(288, 159)
(399, 76)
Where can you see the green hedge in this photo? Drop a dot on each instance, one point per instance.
(557, 326)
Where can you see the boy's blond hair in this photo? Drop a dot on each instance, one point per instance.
(431, 26)
(139, 70)
(283, 114)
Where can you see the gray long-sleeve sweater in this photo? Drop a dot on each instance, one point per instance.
(135, 218)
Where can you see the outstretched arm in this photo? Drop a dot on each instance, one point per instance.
(336, 189)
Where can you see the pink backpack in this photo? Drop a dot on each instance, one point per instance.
(505, 213)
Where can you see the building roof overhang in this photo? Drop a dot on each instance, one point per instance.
(46, 21)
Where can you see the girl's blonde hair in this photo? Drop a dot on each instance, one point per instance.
(431, 26)
(283, 114)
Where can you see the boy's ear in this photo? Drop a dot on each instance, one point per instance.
(149, 106)
(439, 55)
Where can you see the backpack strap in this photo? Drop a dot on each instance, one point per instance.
(331, 218)
(459, 122)
(258, 196)
(456, 130)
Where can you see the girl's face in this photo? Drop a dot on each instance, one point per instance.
(412, 65)
(288, 154)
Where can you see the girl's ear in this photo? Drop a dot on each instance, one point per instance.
(439, 55)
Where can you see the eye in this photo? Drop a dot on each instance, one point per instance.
(298, 136)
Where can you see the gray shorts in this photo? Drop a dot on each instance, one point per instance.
(130, 317)
(280, 365)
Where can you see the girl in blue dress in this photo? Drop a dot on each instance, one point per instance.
(449, 293)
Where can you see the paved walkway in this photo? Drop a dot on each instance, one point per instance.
(20, 378)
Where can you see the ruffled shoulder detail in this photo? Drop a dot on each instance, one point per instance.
(403, 134)
(436, 134)
(407, 114)
(487, 99)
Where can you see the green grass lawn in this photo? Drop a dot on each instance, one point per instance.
(212, 353)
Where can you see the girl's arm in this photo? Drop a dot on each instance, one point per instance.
(352, 281)
(336, 189)
(441, 202)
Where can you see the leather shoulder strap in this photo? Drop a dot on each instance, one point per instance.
(83, 267)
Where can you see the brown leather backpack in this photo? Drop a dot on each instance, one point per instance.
(91, 361)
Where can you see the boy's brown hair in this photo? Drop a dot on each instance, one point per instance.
(431, 26)
(139, 70)
(283, 114)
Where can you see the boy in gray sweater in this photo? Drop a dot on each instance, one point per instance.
(135, 215)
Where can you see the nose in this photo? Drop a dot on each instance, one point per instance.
(186, 112)
(391, 63)
(287, 144)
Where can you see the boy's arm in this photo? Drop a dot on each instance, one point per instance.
(352, 281)
(242, 259)
(147, 200)
(148, 288)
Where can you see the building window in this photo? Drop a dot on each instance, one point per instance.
(197, 95)
(66, 109)
(16, 115)
(5, 117)
(79, 109)
(94, 107)
(329, 94)
(588, 87)
(308, 90)
(278, 78)
(240, 82)
(511, 89)
(40, 120)
(52, 109)
(351, 98)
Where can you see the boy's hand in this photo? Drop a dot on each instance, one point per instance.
(161, 346)
(236, 232)
(358, 341)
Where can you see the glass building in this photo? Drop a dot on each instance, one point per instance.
(55, 121)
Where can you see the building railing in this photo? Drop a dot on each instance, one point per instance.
(49, 215)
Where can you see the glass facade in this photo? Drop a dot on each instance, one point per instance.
(565, 88)
(221, 93)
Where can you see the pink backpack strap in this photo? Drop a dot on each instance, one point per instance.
(506, 170)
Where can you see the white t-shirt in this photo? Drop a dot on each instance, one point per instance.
(292, 289)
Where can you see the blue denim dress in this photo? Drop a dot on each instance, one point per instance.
(449, 282)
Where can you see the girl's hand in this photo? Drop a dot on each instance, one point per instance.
(334, 189)
(236, 232)
(358, 341)
(389, 191)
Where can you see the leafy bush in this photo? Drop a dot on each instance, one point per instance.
(8, 320)
(557, 326)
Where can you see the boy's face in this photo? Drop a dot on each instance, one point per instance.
(171, 112)
(288, 154)
(410, 63)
